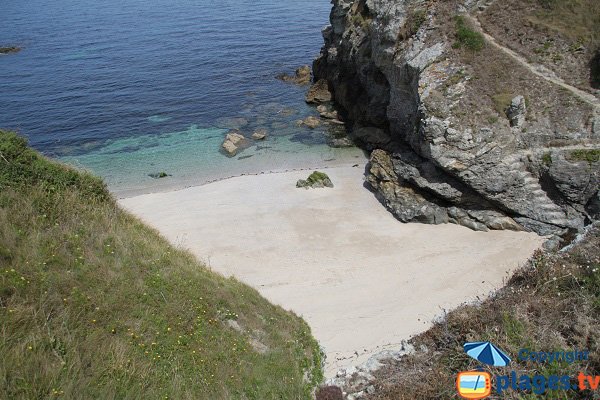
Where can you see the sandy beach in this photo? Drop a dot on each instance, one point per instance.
(361, 279)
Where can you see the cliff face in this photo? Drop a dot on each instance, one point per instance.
(461, 129)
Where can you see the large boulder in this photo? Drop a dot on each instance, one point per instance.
(232, 143)
(517, 112)
(315, 180)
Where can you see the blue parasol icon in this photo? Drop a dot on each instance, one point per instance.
(487, 353)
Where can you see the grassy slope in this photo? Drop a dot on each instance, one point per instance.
(552, 304)
(94, 304)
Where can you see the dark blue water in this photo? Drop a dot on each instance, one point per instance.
(130, 87)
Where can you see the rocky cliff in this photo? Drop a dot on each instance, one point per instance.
(461, 128)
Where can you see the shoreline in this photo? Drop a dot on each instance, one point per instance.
(361, 279)
(174, 187)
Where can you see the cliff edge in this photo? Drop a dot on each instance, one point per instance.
(466, 120)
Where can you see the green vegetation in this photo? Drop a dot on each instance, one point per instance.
(359, 20)
(317, 176)
(414, 20)
(552, 304)
(547, 159)
(502, 101)
(589, 155)
(467, 37)
(492, 119)
(94, 304)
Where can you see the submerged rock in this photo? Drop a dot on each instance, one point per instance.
(232, 122)
(315, 180)
(259, 134)
(311, 122)
(159, 175)
(341, 142)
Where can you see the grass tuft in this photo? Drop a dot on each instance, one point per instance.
(467, 37)
(589, 155)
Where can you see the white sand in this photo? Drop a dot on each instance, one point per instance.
(361, 279)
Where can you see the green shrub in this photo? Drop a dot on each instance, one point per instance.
(22, 166)
(547, 159)
(589, 155)
(467, 37)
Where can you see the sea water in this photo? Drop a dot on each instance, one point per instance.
(131, 88)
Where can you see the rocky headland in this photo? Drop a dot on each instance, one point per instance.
(461, 128)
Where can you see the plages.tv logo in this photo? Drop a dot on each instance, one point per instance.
(478, 384)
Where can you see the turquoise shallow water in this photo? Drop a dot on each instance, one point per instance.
(128, 88)
(192, 157)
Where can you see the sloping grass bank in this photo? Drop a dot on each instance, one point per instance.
(94, 304)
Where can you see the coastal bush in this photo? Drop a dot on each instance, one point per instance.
(589, 155)
(547, 159)
(95, 304)
(467, 37)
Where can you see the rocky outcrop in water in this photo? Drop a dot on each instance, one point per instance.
(300, 77)
(452, 137)
(9, 50)
(232, 143)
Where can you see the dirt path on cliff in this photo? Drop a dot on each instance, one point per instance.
(538, 70)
